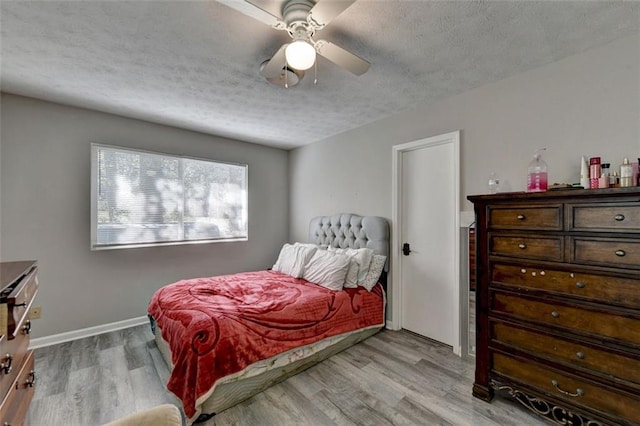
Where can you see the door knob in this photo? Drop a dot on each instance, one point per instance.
(406, 249)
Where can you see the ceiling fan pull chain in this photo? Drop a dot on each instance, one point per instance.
(315, 72)
(286, 74)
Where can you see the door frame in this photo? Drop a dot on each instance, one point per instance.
(396, 227)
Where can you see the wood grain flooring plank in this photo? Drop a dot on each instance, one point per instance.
(148, 389)
(419, 414)
(295, 402)
(408, 375)
(355, 409)
(50, 410)
(305, 384)
(53, 368)
(84, 353)
(332, 411)
(367, 382)
(114, 384)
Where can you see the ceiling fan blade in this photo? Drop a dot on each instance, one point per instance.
(325, 10)
(341, 57)
(253, 11)
(274, 67)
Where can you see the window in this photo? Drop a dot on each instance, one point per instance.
(142, 199)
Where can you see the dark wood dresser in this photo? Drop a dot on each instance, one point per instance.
(558, 303)
(19, 286)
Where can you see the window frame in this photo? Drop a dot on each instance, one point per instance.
(95, 246)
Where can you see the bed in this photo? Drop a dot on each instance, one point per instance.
(248, 331)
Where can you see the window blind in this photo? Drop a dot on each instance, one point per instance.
(142, 198)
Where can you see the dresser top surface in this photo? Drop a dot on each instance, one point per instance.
(12, 271)
(586, 194)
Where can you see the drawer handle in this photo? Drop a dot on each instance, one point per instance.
(5, 365)
(580, 355)
(31, 381)
(17, 305)
(520, 217)
(26, 328)
(620, 253)
(522, 246)
(555, 314)
(619, 217)
(579, 392)
(580, 284)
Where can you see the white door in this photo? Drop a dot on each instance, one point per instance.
(429, 225)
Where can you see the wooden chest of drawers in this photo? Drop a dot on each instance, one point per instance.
(19, 286)
(558, 303)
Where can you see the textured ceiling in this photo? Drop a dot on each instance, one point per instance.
(195, 64)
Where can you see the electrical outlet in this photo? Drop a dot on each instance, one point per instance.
(36, 312)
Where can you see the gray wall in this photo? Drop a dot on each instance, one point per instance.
(588, 104)
(45, 199)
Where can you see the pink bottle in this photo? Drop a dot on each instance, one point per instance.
(537, 173)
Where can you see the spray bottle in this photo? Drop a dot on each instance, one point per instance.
(537, 173)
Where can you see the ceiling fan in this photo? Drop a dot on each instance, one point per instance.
(302, 19)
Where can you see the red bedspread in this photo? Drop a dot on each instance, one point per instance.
(220, 325)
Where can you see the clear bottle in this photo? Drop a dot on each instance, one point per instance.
(616, 180)
(494, 183)
(537, 173)
(626, 173)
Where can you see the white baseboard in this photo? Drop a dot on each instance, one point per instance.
(41, 342)
(390, 326)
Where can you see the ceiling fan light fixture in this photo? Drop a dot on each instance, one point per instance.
(300, 55)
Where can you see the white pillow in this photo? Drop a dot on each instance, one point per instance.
(375, 269)
(351, 280)
(362, 256)
(327, 269)
(310, 245)
(292, 259)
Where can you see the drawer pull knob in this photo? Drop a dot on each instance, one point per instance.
(5, 365)
(580, 355)
(580, 284)
(579, 392)
(26, 328)
(619, 217)
(31, 380)
(520, 217)
(620, 253)
(522, 246)
(555, 314)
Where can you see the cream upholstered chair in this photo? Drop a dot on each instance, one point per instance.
(162, 415)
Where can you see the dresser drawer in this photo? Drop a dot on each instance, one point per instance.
(606, 252)
(543, 248)
(558, 349)
(568, 388)
(526, 217)
(605, 217)
(12, 356)
(601, 288)
(16, 403)
(19, 302)
(625, 329)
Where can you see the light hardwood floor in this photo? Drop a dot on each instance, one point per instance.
(392, 378)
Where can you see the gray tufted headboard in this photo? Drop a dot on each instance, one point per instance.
(350, 230)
